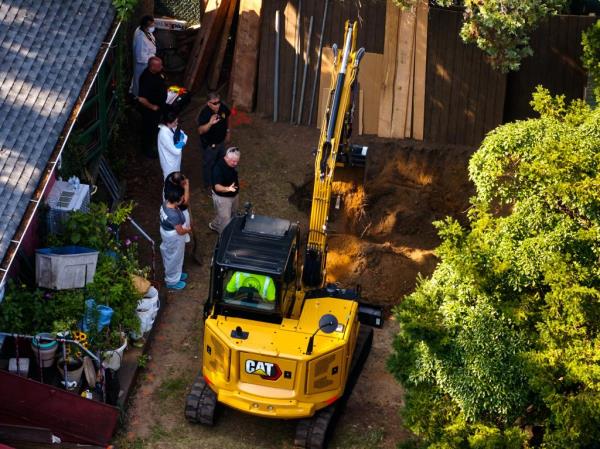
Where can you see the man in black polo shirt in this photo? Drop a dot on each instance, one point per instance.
(213, 127)
(225, 189)
(152, 98)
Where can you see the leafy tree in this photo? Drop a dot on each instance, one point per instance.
(501, 28)
(500, 348)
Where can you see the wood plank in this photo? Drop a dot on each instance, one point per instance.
(403, 72)
(411, 86)
(245, 57)
(386, 97)
(361, 111)
(265, 63)
(457, 97)
(215, 72)
(418, 120)
(212, 23)
(447, 56)
(287, 54)
(324, 83)
(370, 76)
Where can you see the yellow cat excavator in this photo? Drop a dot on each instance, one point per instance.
(278, 341)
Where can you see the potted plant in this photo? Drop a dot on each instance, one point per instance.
(70, 362)
(116, 342)
(71, 368)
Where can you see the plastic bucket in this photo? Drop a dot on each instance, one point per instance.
(112, 359)
(93, 310)
(44, 349)
(147, 318)
(150, 301)
(74, 370)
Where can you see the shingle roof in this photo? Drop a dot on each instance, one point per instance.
(47, 50)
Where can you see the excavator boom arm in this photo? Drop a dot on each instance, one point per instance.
(337, 116)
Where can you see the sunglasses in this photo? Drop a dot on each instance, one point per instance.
(215, 103)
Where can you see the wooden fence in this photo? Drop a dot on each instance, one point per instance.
(464, 96)
(555, 64)
(370, 35)
(432, 85)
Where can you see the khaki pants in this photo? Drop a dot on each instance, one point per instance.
(225, 209)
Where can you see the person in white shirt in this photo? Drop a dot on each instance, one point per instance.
(171, 140)
(144, 47)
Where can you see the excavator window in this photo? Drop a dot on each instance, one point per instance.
(250, 290)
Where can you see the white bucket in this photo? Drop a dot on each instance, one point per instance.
(112, 359)
(149, 303)
(147, 318)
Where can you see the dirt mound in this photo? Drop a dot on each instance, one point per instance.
(385, 233)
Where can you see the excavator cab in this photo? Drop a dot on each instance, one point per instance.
(254, 269)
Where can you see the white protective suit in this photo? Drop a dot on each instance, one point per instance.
(172, 249)
(144, 47)
(168, 153)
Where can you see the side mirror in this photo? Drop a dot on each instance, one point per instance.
(328, 324)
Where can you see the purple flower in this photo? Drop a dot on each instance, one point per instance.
(47, 295)
(127, 242)
(135, 238)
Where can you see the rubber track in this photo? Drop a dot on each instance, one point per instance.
(314, 432)
(201, 403)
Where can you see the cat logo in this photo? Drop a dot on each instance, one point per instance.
(266, 370)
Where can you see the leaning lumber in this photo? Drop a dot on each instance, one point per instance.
(242, 84)
(215, 71)
(206, 41)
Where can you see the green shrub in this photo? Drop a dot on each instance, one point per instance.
(499, 348)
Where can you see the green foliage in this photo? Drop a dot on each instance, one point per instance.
(501, 28)
(590, 41)
(74, 158)
(33, 311)
(26, 311)
(93, 229)
(124, 8)
(504, 337)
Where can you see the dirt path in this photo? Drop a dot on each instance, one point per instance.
(408, 186)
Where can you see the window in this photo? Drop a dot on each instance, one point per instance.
(250, 290)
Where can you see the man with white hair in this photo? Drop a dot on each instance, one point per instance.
(225, 189)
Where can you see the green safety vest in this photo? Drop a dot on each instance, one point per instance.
(243, 279)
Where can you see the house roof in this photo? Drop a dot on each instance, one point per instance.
(47, 51)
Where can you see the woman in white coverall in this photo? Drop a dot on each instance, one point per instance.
(144, 47)
(172, 233)
(171, 140)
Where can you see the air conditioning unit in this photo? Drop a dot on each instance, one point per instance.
(63, 199)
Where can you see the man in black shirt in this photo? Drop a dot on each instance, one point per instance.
(225, 189)
(152, 98)
(213, 127)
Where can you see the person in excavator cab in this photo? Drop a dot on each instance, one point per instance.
(251, 284)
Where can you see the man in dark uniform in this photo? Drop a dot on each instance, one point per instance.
(152, 98)
(213, 127)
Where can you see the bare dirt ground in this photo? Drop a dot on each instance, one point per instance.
(382, 238)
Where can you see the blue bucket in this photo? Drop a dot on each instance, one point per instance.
(92, 310)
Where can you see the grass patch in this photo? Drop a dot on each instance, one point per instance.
(172, 387)
(137, 443)
(371, 439)
(157, 432)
